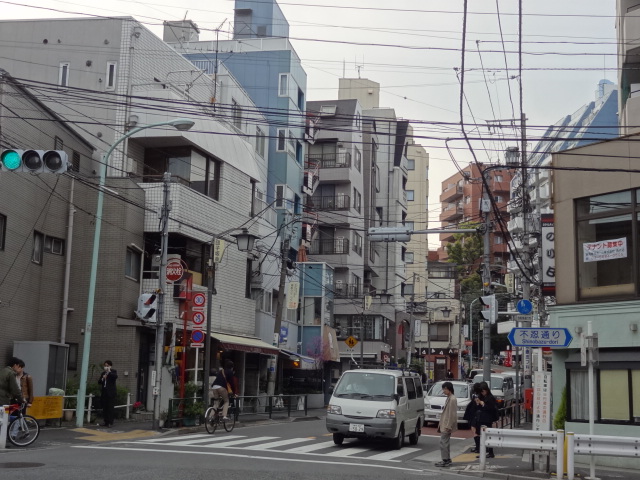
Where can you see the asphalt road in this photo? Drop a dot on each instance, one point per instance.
(301, 450)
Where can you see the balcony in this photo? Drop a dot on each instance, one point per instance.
(338, 246)
(347, 290)
(451, 213)
(452, 193)
(338, 202)
(311, 178)
(329, 160)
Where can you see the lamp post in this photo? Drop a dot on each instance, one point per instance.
(245, 242)
(180, 124)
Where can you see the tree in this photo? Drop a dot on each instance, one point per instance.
(465, 250)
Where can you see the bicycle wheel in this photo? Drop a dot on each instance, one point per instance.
(231, 422)
(211, 419)
(23, 431)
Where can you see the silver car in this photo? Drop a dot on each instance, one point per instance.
(434, 401)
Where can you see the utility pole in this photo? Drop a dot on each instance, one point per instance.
(162, 283)
(273, 361)
(412, 330)
(486, 278)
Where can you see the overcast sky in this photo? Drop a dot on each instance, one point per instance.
(413, 49)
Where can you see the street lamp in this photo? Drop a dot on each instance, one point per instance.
(385, 298)
(446, 311)
(245, 242)
(181, 124)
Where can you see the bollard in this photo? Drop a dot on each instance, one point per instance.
(483, 449)
(126, 414)
(570, 459)
(4, 423)
(560, 456)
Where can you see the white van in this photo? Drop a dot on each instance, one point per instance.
(377, 404)
(501, 387)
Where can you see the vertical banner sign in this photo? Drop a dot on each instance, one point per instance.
(509, 281)
(548, 255)
(218, 250)
(293, 295)
(367, 302)
(417, 328)
(542, 401)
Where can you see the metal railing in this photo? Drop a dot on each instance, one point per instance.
(338, 202)
(598, 445)
(89, 409)
(347, 290)
(329, 247)
(330, 160)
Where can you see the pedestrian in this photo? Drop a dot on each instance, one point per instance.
(448, 424)
(108, 382)
(223, 386)
(9, 387)
(25, 381)
(486, 415)
(471, 415)
(449, 375)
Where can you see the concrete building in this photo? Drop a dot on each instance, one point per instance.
(596, 252)
(627, 32)
(124, 77)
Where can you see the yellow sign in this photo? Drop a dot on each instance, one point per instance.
(46, 407)
(219, 246)
(351, 341)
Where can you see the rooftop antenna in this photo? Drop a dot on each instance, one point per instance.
(215, 68)
(359, 67)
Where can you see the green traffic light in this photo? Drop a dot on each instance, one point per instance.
(11, 159)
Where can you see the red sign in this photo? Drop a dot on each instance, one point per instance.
(175, 271)
(197, 336)
(199, 300)
(468, 343)
(198, 318)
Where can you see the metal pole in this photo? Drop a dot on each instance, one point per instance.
(412, 331)
(471, 333)
(162, 285)
(486, 280)
(592, 402)
(362, 342)
(211, 282)
(67, 265)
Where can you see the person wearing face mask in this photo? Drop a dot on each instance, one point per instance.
(107, 381)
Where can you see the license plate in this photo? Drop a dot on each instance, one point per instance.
(356, 427)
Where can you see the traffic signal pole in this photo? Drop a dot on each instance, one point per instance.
(486, 283)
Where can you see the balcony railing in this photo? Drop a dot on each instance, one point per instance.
(347, 290)
(330, 160)
(339, 246)
(339, 202)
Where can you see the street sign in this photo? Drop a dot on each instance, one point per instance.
(199, 300)
(198, 318)
(197, 336)
(524, 307)
(175, 271)
(509, 281)
(540, 337)
(351, 341)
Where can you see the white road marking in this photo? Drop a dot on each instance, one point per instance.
(288, 441)
(391, 454)
(311, 448)
(346, 452)
(238, 455)
(195, 439)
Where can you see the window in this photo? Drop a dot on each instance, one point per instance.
(58, 144)
(372, 252)
(110, 84)
(498, 240)
(247, 278)
(327, 110)
(282, 140)
(605, 223)
(358, 161)
(236, 114)
(260, 141)
(132, 264)
(53, 245)
(373, 326)
(497, 178)
(408, 257)
(411, 164)
(407, 289)
(498, 199)
(73, 356)
(3, 230)
(283, 88)
(357, 243)
(409, 225)
(63, 74)
(410, 196)
(439, 332)
(75, 161)
(358, 120)
(300, 100)
(36, 254)
(357, 200)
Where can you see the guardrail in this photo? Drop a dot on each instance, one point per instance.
(538, 440)
(599, 445)
(88, 410)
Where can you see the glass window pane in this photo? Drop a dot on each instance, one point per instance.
(614, 395)
(603, 203)
(579, 393)
(635, 392)
(198, 172)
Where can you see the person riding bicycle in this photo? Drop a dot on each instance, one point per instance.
(223, 386)
(9, 388)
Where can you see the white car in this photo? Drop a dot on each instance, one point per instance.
(434, 401)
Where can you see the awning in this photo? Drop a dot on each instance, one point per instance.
(245, 344)
(297, 356)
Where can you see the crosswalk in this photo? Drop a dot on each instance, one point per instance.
(299, 446)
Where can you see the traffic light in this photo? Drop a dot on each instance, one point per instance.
(147, 307)
(34, 161)
(489, 308)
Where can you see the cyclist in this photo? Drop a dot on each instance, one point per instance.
(223, 386)
(9, 388)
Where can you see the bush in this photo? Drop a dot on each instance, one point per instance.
(561, 415)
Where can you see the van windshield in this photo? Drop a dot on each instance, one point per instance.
(496, 382)
(460, 391)
(365, 385)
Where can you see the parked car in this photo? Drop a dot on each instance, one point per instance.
(435, 399)
(377, 404)
(521, 376)
(502, 388)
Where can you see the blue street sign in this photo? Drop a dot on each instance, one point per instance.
(540, 337)
(524, 307)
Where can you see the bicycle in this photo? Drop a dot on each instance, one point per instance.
(213, 417)
(23, 430)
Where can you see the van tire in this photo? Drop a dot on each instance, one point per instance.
(413, 438)
(399, 440)
(338, 438)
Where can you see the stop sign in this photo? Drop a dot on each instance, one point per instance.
(175, 270)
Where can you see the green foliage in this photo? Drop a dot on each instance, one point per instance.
(561, 414)
(193, 409)
(465, 250)
(190, 389)
(471, 285)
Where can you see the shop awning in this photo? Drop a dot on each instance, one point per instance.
(297, 356)
(245, 344)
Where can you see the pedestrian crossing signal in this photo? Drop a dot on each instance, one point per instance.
(34, 161)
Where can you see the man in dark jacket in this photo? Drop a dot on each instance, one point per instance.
(9, 388)
(108, 382)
